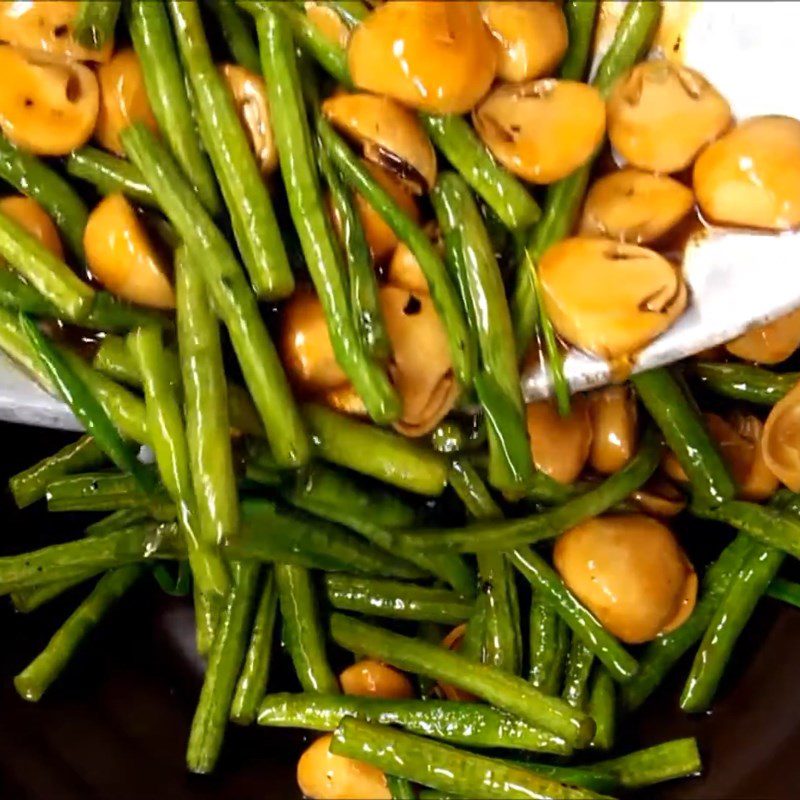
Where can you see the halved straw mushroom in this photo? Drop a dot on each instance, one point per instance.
(35, 220)
(560, 445)
(661, 114)
(751, 176)
(532, 36)
(431, 55)
(770, 343)
(250, 98)
(344, 399)
(123, 99)
(614, 428)
(610, 298)
(46, 26)
(389, 134)
(305, 345)
(659, 498)
(634, 206)
(420, 367)
(329, 22)
(405, 272)
(741, 442)
(321, 775)
(122, 256)
(630, 571)
(542, 130)
(369, 678)
(781, 440)
(46, 108)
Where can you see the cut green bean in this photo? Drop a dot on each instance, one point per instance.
(237, 34)
(787, 591)
(34, 680)
(471, 258)
(580, 16)
(95, 491)
(27, 600)
(683, 427)
(507, 692)
(419, 760)
(253, 220)
(117, 520)
(549, 645)
(109, 174)
(232, 297)
(252, 684)
(302, 629)
(167, 91)
(384, 598)
(508, 534)
(34, 178)
(663, 762)
(400, 788)
(384, 455)
(95, 22)
(745, 381)
(603, 709)
(584, 625)
(207, 610)
(663, 653)
(114, 359)
(576, 676)
(224, 665)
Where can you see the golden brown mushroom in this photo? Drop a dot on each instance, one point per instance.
(543, 130)
(46, 108)
(46, 26)
(751, 176)
(432, 55)
(610, 298)
(659, 498)
(32, 217)
(344, 399)
(560, 445)
(370, 678)
(405, 272)
(389, 134)
(121, 255)
(533, 37)
(329, 22)
(770, 343)
(661, 114)
(630, 571)
(250, 98)
(614, 431)
(781, 440)
(634, 206)
(123, 99)
(323, 776)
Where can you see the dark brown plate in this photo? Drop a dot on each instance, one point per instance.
(115, 726)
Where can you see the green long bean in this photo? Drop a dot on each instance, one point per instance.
(580, 16)
(602, 707)
(109, 174)
(548, 644)
(303, 633)
(232, 297)
(787, 591)
(744, 381)
(237, 34)
(167, 91)
(576, 676)
(95, 22)
(114, 359)
(678, 758)
(95, 491)
(468, 724)
(507, 692)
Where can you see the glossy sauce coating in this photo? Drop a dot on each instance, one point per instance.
(370, 678)
(768, 344)
(560, 446)
(614, 428)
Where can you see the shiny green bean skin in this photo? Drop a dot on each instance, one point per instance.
(27, 600)
(463, 349)
(31, 484)
(45, 272)
(117, 520)
(303, 633)
(230, 293)
(322, 252)
(584, 625)
(94, 491)
(95, 22)
(470, 256)
(683, 427)
(505, 691)
(224, 664)
(396, 600)
(603, 709)
(236, 33)
(169, 443)
(253, 220)
(167, 91)
(549, 644)
(469, 724)
(31, 176)
(381, 454)
(421, 761)
(744, 381)
(114, 359)
(252, 684)
(580, 16)
(787, 591)
(726, 625)
(206, 399)
(508, 534)
(576, 676)
(678, 758)
(109, 174)
(35, 679)
(663, 653)
(400, 788)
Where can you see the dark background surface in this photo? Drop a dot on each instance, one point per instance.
(115, 726)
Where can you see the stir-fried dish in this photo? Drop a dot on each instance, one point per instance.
(284, 261)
